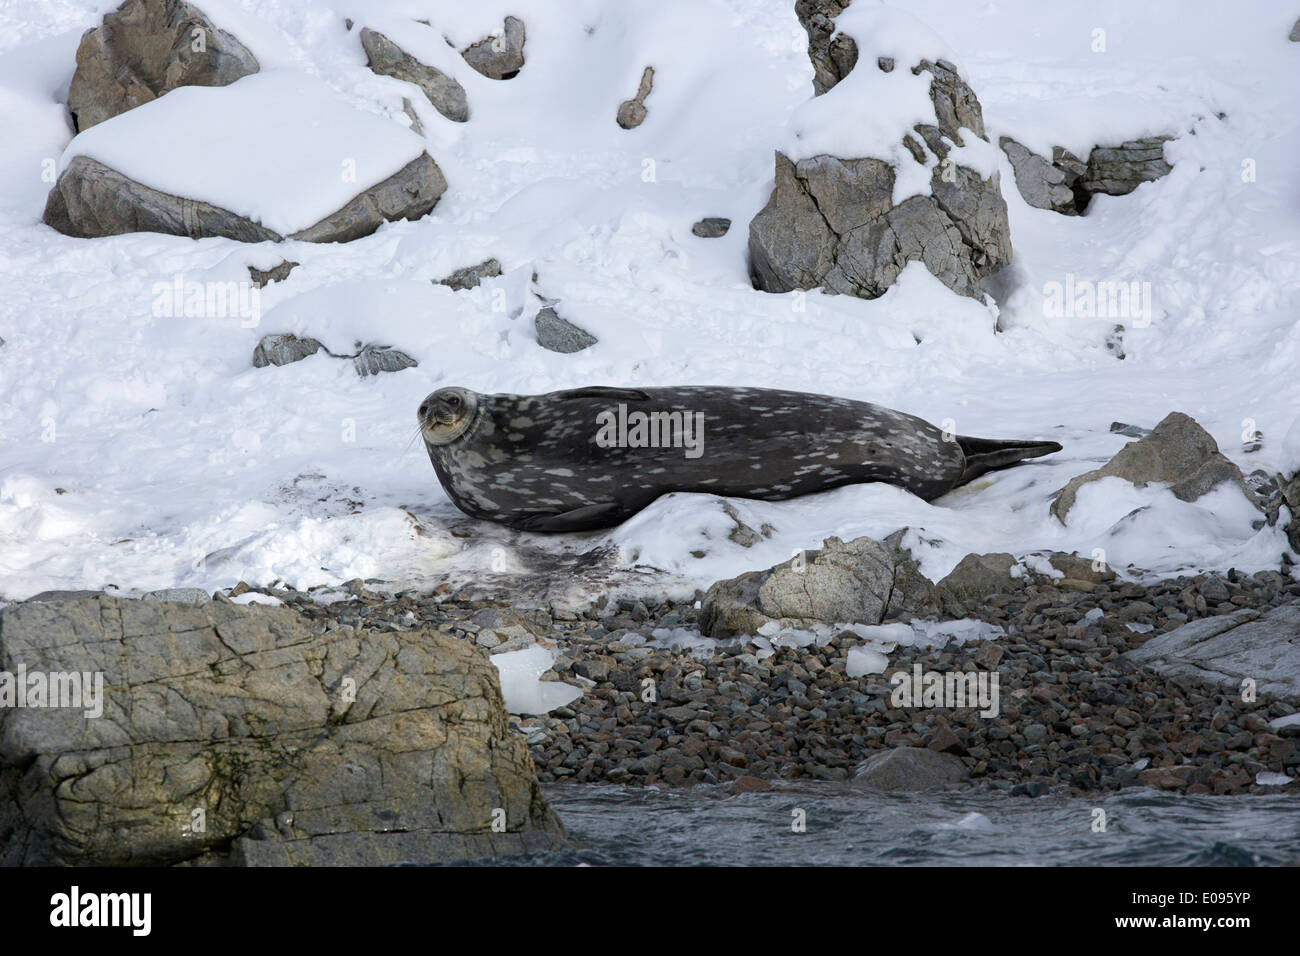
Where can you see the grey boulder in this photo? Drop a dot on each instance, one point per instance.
(471, 276)
(146, 48)
(862, 582)
(910, 768)
(833, 54)
(1066, 184)
(499, 57)
(90, 200)
(632, 113)
(1178, 451)
(236, 735)
(560, 335)
(283, 349)
(1231, 648)
(388, 59)
(830, 222)
(977, 576)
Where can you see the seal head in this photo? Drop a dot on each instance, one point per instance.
(447, 414)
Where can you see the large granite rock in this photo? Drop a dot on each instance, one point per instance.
(91, 200)
(1178, 451)
(910, 768)
(1066, 184)
(235, 735)
(499, 57)
(830, 222)
(146, 48)
(862, 582)
(388, 59)
(1232, 647)
(977, 576)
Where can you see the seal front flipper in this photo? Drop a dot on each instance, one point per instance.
(604, 391)
(586, 518)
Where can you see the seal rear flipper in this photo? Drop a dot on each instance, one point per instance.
(604, 391)
(586, 518)
(989, 454)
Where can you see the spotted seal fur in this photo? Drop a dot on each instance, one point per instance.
(546, 462)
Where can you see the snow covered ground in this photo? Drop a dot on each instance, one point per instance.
(142, 450)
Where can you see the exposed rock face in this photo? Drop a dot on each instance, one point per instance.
(977, 576)
(471, 276)
(1066, 184)
(283, 349)
(374, 359)
(632, 113)
(1178, 451)
(910, 768)
(91, 200)
(499, 57)
(1294, 36)
(1290, 494)
(560, 335)
(864, 581)
(711, 227)
(833, 55)
(277, 273)
(146, 48)
(389, 59)
(235, 735)
(1231, 648)
(831, 222)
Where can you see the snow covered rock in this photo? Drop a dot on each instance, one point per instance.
(146, 48)
(471, 276)
(283, 349)
(389, 59)
(499, 57)
(891, 165)
(236, 735)
(910, 768)
(1231, 648)
(863, 581)
(833, 53)
(373, 359)
(560, 335)
(1178, 451)
(323, 172)
(277, 273)
(1066, 184)
(711, 227)
(632, 113)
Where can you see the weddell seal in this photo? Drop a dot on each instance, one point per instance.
(590, 458)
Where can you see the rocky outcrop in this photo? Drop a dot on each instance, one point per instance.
(1232, 648)
(146, 48)
(1066, 184)
(499, 57)
(862, 582)
(471, 276)
(1289, 494)
(833, 54)
(632, 113)
(236, 735)
(831, 222)
(388, 59)
(1178, 451)
(560, 335)
(910, 768)
(91, 200)
(286, 348)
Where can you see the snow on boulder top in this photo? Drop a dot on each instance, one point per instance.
(278, 148)
(868, 112)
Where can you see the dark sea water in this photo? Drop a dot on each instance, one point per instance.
(707, 826)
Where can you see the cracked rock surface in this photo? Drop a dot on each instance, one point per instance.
(831, 223)
(864, 580)
(295, 748)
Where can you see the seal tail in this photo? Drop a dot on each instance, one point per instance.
(989, 454)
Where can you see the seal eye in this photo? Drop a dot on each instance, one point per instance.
(424, 410)
(453, 401)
